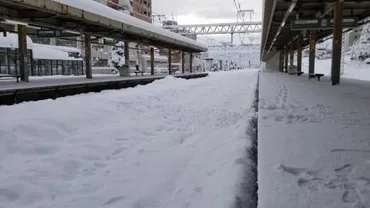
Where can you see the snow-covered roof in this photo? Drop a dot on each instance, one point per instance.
(11, 41)
(62, 48)
(321, 47)
(156, 57)
(48, 52)
(105, 11)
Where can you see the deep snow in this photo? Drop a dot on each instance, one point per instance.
(105, 11)
(352, 69)
(173, 143)
(314, 146)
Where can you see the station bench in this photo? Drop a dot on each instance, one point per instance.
(10, 76)
(318, 76)
(139, 72)
(300, 73)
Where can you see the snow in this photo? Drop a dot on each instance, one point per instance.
(60, 48)
(157, 57)
(173, 143)
(41, 51)
(314, 143)
(117, 57)
(62, 80)
(11, 41)
(362, 45)
(102, 10)
(352, 69)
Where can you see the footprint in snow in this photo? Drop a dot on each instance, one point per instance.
(113, 200)
(353, 192)
(8, 195)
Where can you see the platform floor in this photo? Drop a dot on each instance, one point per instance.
(314, 142)
(35, 82)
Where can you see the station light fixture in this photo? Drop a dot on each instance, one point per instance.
(14, 22)
(291, 8)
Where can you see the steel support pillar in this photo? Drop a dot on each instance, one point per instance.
(191, 62)
(299, 53)
(281, 61)
(232, 38)
(311, 62)
(88, 56)
(286, 51)
(337, 43)
(291, 54)
(127, 55)
(169, 61)
(22, 53)
(152, 60)
(183, 62)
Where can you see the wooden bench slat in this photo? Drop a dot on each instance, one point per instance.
(137, 72)
(318, 76)
(11, 76)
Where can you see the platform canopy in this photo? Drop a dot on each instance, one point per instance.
(279, 15)
(95, 19)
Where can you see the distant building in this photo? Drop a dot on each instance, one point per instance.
(42, 60)
(142, 9)
(176, 55)
(351, 37)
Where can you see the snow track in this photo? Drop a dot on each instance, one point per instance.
(174, 143)
(313, 143)
(248, 197)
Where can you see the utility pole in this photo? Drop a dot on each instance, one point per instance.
(159, 16)
(242, 13)
(245, 11)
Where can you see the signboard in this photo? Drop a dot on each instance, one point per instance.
(321, 24)
(55, 33)
(108, 41)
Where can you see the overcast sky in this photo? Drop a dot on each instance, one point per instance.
(206, 11)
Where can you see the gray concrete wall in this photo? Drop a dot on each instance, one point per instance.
(272, 63)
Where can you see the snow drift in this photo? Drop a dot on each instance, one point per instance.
(173, 143)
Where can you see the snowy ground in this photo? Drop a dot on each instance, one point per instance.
(173, 143)
(47, 81)
(314, 143)
(352, 69)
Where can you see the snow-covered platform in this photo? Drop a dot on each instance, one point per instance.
(314, 143)
(49, 87)
(172, 144)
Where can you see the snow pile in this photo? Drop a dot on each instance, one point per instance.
(60, 48)
(117, 58)
(173, 143)
(313, 143)
(240, 56)
(41, 51)
(11, 41)
(97, 8)
(157, 57)
(361, 48)
(352, 69)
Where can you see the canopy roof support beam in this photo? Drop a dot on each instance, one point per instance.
(311, 64)
(22, 53)
(337, 43)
